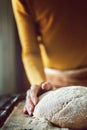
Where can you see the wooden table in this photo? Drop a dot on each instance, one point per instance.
(18, 121)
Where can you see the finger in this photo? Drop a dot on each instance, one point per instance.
(34, 97)
(24, 110)
(35, 100)
(46, 86)
(27, 111)
(29, 106)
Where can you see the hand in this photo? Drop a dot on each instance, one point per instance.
(32, 96)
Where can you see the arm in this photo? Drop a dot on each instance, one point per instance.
(30, 53)
(30, 49)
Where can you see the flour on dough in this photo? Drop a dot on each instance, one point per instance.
(65, 107)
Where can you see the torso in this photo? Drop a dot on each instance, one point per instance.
(63, 26)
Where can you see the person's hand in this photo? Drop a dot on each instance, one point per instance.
(32, 96)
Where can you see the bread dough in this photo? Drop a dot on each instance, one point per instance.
(65, 107)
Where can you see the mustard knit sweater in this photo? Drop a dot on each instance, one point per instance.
(63, 29)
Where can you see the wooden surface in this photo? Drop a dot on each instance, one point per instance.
(18, 121)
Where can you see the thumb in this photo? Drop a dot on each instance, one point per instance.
(46, 86)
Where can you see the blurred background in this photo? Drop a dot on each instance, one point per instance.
(12, 75)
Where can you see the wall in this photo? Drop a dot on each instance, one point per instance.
(12, 75)
(7, 48)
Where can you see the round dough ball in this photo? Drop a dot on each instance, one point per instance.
(65, 107)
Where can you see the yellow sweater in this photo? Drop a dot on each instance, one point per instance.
(63, 27)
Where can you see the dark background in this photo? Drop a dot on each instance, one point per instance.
(12, 75)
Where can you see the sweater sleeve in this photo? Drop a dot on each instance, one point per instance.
(31, 56)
